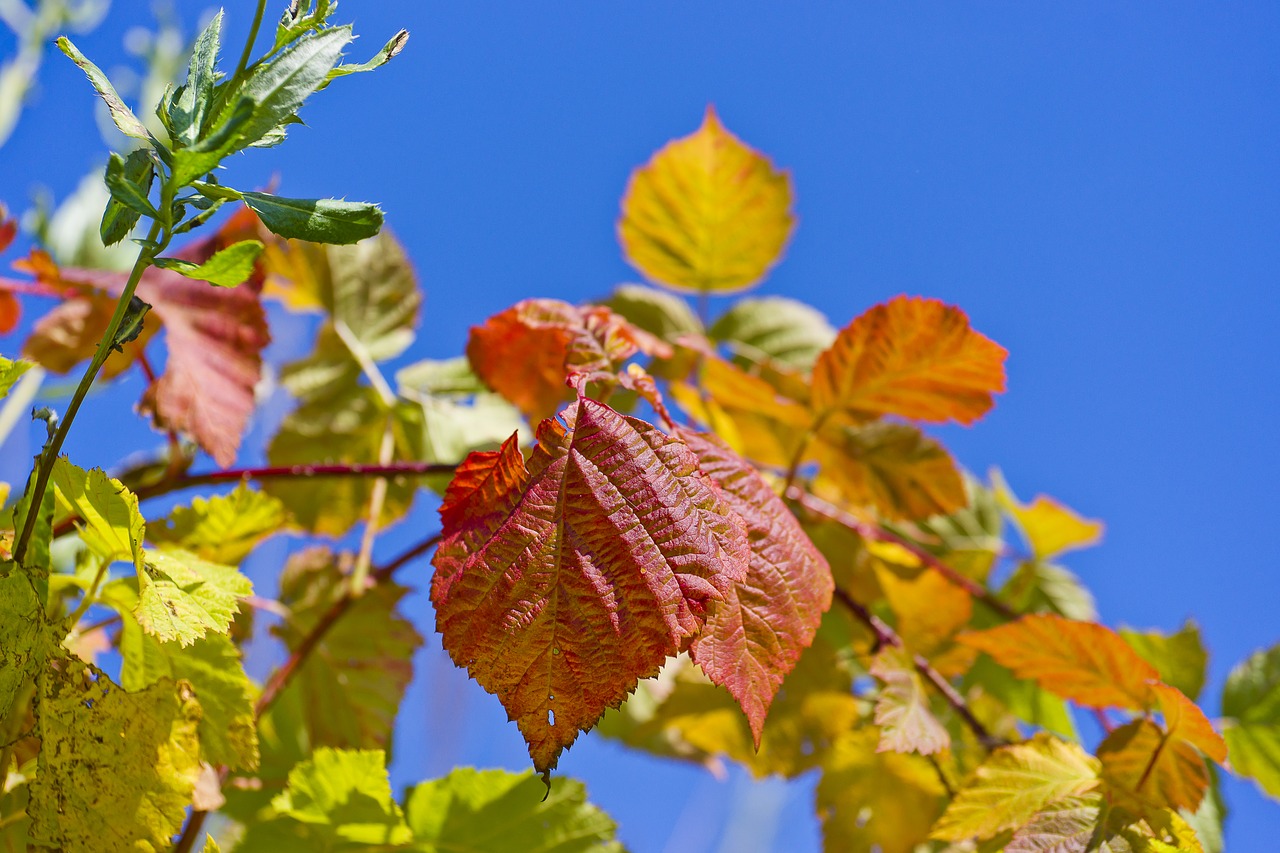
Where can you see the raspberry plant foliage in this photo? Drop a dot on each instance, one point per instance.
(725, 540)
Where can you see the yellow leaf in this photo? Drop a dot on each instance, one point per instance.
(929, 608)
(911, 357)
(707, 213)
(1049, 527)
(1014, 784)
(1081, 661)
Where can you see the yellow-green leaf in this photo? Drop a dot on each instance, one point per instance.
(11, 371)
(902, 707)
(1251, 704)
(23, 641)
(346, 795)
(1049, 527)
(1180, 657)
(182, 597)
(707, 213)
(110, 524)
(223, 528)
(1014, 784)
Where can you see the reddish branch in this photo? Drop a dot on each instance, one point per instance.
(886, 636)
(280, 678)
(873, 531)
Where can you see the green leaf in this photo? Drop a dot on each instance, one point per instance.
(120, 113)
(777, 328)
(352, 683)
(189, 109)
(902, 706)
(203, 157)
(431, 378)
(317, 220)
(182, 597)
(1015, 783)
(1251, 702)
(223, 528)
(110, 524)
(1180, 657)
(23, 639)
(1023, 698)
(213, 668)
(117, 769)
(129, 181)
(1037, 587)
(344, 429)
(1208, 820)
(501, 812)
(278, 88)
(389, 51)
(656, 311)
(228, 267)
(344, 796)
(11, 371)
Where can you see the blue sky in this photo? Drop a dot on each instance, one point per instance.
(1095, 183)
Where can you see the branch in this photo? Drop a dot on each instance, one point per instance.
(873, 531)
(886, 636)
(357, 469)
(281, 676)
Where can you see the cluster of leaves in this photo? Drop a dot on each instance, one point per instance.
(787, 572)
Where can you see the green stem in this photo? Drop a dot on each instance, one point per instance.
(253, 37)
(90, 595)
(50, 454)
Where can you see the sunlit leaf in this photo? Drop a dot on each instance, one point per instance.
(777, 328)
(23, 641)
(11, 371)
(657, 312)
(1184, 720)
(222, 528)
(500, 812)
(902, 706)
(869, 800)
(1081, 661)
(707, 213)
(1140, 759)
(561, 583)
(1036, 587)
(526, 352)
(1026, 700)
(911, 357)
(1014, 784)
(110, 524)
(182, 597)
(351, 684)
(1049, 527)
(123, 764)
(317, 220)
(228, 267)
(1180, 657)
(928, 608)
(1066, 825)
(754, 637)
(1251, 704)
(123, 117)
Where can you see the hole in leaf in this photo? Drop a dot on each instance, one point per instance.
(551, 718)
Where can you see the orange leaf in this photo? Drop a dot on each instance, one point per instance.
(1140, 759)
(1080, 661)
(560, 583)
(911, 357)
(707, 213)
(1183, 719)
(754, 637)
(526, 352)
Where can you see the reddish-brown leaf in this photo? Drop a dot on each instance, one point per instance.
(10, 311)
(526, 352)
(1081, 661)
(215, 339)
(916, 358)
(560, 583)
(754, 637)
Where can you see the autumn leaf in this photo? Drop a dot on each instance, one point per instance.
(1141, 759)
(1049, 527)
(911, 357)
(10, 310)
(1081, 661)
(1251, 704)
(526, 352)
(1180, 657)
(562, 582)
(706, 213)
(754, 637)
(222, 528)
(214, 336)
(928, 609)
(1014, 784)
(902, 706)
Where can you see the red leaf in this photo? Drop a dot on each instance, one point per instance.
(754, 637)
(215, 340)
(560, 584)
(526, 352)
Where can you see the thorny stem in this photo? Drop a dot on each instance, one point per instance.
(50, 453)
(873, 531)
(886, 636)
(280, 678)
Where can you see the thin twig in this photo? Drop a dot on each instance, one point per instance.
(377, 498)
(280, 678)
(886, 636)
(868, 530)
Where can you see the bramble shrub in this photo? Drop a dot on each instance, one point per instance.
(712, 540)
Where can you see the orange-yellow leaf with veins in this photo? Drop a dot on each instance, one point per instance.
(526, 352)
(707, 213)
(1140, 760)
(1183, 719)
(912, 357)
(754, 637)
(560, 583)
(1080, 661)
